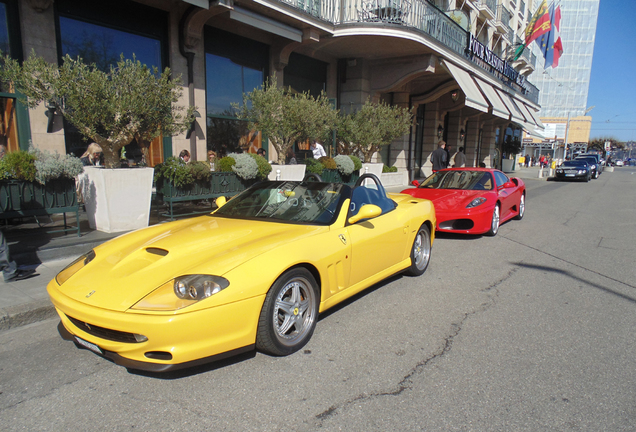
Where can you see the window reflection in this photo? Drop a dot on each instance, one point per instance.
(104, 46)
(227, 135)
(227, 81)
(4, 29)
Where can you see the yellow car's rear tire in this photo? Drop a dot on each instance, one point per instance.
(289, 314)
(420, 251)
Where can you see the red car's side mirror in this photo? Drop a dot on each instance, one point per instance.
(415, 183)
(509, 184)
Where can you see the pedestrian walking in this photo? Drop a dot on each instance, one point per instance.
(438, 157)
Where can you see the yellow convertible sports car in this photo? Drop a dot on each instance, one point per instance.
(255, 273)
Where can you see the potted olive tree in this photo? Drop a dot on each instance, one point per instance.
(129, 101)
(285, 118)
(510, 147)
(365, 131)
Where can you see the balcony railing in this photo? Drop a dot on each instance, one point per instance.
(503, 15)
(527, 53)
(419, 15)
(490, 4)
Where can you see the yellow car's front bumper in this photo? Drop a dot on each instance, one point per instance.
(174, 340)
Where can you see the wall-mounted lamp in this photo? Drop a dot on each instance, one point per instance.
(440, 131)
(454, 95)
(50, 113)
(462, 134)
(193, 125)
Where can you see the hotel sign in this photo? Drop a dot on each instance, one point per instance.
(479, 53)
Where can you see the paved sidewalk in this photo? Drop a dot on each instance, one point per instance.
(27, 301)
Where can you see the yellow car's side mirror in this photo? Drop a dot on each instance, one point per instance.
(368, 211)
(220, 201)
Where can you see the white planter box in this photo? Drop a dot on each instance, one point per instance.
(506, 165)
(372, 168)
(287, 172)
(116, 200)
(400, 178)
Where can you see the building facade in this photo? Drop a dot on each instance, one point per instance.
(563, 90)
(448, 60)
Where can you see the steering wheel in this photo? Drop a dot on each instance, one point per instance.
(313, 176)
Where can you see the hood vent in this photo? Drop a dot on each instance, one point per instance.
(157, 251)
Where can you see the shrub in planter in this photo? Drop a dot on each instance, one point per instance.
(245, 167)
(225, 164)
(264, 168)
(200, 170)
(388, 169)
(344, 164)
(51, 166)
(357, 164)
(175, 171)
(314, 166)
(328, 162)
(18, 165)
(38, 165)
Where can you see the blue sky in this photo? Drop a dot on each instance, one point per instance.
(613, 78)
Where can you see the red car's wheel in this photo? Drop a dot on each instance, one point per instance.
(289, 313)
(494, 224)
(521, 208)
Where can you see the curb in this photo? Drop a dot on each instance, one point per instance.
(45, 254)
(28, 313)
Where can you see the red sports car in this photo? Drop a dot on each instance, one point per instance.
(472, 200)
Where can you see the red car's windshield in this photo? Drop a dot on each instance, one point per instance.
(462, 180)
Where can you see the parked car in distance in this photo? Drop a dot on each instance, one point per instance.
(618, 163)
(598, 157)
(255, 273)
(594, 164)
(574, 170)
(472, 200)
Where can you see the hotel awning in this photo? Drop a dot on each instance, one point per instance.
(534, 115)
(498, 107)
(474, 98)
(517, 117)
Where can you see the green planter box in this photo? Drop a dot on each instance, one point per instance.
(334, 176)
(220, 184)
(22, 198)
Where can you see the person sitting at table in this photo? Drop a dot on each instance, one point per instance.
(92, 156)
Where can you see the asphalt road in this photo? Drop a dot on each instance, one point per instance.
(531, 330)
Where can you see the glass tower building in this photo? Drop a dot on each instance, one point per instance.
(563, 90)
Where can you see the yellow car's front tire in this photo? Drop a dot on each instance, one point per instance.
(289, 314)
(420, 251)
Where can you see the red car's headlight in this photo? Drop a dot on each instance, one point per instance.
(476, 202)
(181, 292)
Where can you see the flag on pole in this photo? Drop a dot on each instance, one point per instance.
(538, 26)
(554, 45)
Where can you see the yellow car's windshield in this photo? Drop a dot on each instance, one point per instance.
(299, 202)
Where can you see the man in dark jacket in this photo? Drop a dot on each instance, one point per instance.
(439, 157)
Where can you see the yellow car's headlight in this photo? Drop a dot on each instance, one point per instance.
(181, 292)
(74, 267)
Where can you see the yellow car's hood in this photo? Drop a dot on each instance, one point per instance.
(128, 268)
